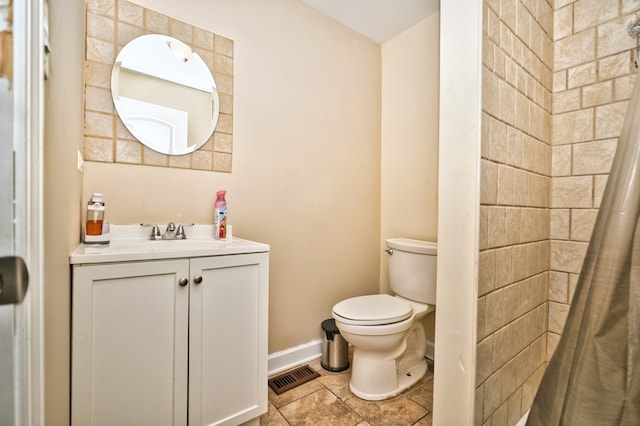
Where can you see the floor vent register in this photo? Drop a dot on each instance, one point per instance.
(292, 379)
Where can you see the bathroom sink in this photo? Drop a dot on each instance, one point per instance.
(167, 245)
(130, 242)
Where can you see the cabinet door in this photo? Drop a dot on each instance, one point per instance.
(129, 344)
(228, 339)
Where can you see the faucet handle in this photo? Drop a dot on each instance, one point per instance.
(155, 231)
(180, 234)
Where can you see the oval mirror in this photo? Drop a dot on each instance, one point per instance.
(165, 94)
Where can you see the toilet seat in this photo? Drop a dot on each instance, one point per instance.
(374, 309)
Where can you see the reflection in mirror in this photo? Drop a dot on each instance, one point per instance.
(165, 94)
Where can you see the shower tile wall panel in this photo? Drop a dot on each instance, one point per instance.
(557, 78)
(515, 249)
(110, 25)
(592, 83)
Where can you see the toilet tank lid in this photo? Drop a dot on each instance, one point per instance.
(412, 246)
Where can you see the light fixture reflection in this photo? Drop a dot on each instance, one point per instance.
(181, 50)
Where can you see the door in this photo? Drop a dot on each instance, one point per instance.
(21, 88)
(129, 344)
(228, 339)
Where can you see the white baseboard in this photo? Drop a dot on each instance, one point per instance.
(292, 357)
(430, 350)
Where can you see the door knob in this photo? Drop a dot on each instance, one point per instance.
(197, 279)
(183, 281)
(14, 280)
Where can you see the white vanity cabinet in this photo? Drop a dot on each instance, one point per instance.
(179, 341)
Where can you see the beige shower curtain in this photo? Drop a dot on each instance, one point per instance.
(593, 378)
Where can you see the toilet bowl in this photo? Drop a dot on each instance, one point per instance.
(388, 354)
(386, 332)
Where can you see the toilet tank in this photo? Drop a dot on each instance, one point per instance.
(412, 269)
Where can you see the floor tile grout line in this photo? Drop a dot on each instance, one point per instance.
(336, 388)
(363, 419)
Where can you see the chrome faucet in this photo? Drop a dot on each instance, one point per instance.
(170, 233)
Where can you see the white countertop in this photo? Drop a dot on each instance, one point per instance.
(131, 243)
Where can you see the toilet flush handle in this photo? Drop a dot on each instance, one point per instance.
(389, 251)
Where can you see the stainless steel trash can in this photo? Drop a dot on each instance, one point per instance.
(335, 350)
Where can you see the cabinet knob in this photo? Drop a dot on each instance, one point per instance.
(197, 279)
(183, 282)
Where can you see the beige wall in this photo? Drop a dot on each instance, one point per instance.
(62, 193)
(409, 170)
(306, 160)
(305, 173)
(308, 132)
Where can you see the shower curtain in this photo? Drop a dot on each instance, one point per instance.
(593, 378)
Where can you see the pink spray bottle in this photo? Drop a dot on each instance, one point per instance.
(220, 216)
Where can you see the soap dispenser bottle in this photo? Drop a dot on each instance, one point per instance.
(95, 215)
(220, 216)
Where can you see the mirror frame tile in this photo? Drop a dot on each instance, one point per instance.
(110, 25)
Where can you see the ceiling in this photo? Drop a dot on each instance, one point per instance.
(379, 20)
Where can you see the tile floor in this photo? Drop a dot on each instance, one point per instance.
(328, 401)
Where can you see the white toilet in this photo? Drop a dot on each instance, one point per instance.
(386, 331)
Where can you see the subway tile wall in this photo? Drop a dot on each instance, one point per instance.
(111, 24)
(515, 210)
(594, 74)
(557, 76)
